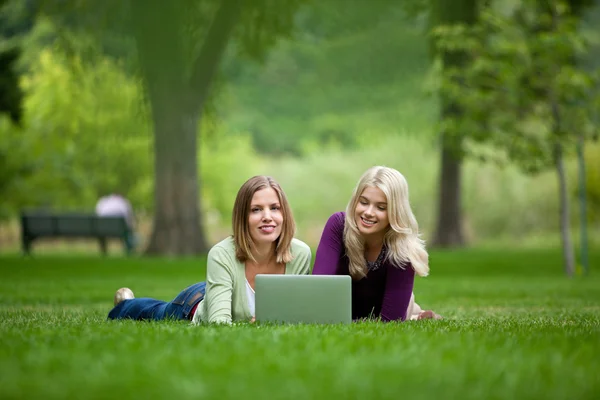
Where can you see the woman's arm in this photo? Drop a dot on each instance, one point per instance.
(331, 246)
(219, 286)
(398, 289)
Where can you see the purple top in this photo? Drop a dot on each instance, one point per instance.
(383, 292)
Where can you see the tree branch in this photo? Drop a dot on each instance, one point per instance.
(212, 50)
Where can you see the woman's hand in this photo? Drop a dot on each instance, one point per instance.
(428, 314)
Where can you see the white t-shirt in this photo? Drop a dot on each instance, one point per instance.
(251, 298)
(115, 206)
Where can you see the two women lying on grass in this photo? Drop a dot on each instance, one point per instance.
(375, 241)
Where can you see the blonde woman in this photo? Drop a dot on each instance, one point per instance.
(262, 243)
(376, 241)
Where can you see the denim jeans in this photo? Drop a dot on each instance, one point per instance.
(145, 308)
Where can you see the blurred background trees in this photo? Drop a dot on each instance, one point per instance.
(523, 91)
(141, 98)
(450, 15)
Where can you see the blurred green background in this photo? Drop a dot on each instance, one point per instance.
(348, 85)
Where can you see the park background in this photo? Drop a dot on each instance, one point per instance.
(351, 88)
(312, 93)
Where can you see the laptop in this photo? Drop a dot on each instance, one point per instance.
(310, 299)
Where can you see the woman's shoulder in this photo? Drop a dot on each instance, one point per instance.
(334, 227)
(340, 215)
(301, 258)
(222, 259)
(299, 247)
(338, 218)
(224, 247)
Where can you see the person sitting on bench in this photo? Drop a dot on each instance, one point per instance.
(116, 205)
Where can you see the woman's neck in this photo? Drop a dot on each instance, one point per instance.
(373, 243)
(265, 255)
(373, 247)
(265, 262)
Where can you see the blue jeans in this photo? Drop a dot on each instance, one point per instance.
(145, 308)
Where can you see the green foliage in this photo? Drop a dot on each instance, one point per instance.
(11, 96)
(337, 75)
(14, 23)
(84, 124)
(592, 165)
(351, 71)
(86, 128)
(503, 205)
(83, 137)
(263, 23)
(521, 89)
(15, 167)
(227, 160)
(86, 134)
(514, 328)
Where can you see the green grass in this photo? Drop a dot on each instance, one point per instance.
(515, 327)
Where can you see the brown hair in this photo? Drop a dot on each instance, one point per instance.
(241, 211)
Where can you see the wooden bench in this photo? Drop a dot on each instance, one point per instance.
(35, 225)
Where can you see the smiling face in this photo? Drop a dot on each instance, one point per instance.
(371, 213)
(265, 220)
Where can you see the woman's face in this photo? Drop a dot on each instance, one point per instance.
(265, 219)
(371, 214)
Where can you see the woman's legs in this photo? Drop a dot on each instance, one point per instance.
(146, 308)
(139, 309)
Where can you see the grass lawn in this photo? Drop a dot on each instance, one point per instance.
(515, 328)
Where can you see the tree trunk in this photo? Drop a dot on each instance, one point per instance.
(587, 12)
(177, 99)
(558, 132)
(449, 232)
(177, 224)
(582, 203)
(565, 232)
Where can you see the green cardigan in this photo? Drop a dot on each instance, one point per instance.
(225, 299)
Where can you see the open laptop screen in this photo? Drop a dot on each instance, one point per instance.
(321, 299)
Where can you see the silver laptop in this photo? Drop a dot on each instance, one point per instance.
(311, 299)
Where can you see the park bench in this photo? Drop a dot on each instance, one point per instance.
(35, 225)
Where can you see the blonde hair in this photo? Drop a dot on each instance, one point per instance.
(402, 239)
(240, 221)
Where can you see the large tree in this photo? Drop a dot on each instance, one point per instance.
(449, 228)
(177, 91)
(179, 63)
(523, 93)
(179, 45)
